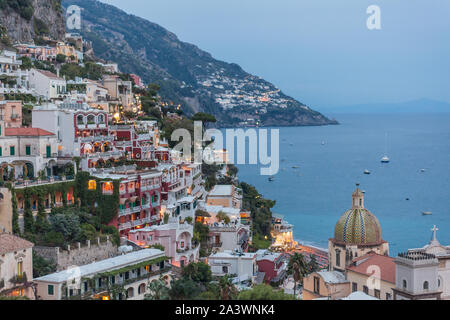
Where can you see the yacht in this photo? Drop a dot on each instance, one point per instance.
(427, 213)
(271, 178)
(366, 171)
(385, 159)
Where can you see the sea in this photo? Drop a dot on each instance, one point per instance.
(332, 159)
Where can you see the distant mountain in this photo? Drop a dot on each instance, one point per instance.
(187, 75)
(414, 106)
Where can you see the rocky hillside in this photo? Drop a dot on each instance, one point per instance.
(187, 75)
(28, 20)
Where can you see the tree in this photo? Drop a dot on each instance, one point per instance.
(60, 58)
(204, 117)
(42, 266)
(184, 289)
(158, 290)
(198, 272)
(227, 290)
(264, 292)
(313, 266)
(298, 267)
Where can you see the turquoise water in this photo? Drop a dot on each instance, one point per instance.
(314, 196)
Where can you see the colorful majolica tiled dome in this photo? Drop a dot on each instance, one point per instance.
(358, 225)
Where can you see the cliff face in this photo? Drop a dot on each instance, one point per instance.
(188, 75)
(32, 19)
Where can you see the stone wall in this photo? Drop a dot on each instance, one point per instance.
(79, 254)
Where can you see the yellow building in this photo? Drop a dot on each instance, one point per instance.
(357, 233)
(69, 51)
(330, 285)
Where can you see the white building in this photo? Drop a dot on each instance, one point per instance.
(424, 273)
(91, 280)
(76, 126)
(47, 84)
(28, 150)
(241, 265)
(14, 79)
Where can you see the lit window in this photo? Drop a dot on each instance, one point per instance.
(92, 185)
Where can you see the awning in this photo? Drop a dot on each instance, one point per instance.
(133, 199)
(122, 200)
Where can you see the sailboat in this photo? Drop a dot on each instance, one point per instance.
(385, 158)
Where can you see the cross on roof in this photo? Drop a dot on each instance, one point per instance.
(434, 229)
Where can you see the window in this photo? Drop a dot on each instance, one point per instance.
(50, 290)
(338, 258)
(12, 150)
(354, 287)
(20, 269)
(48, 150)
(405, 285)
(316, 285)
(425, 285)
(225, 269)
(28, 150)
(1, 153)
(377, 293)
(365, 289)
(388, 296)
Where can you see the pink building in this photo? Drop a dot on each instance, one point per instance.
(43, 53)
(11, 113)
(176, 239)
(137, 80)
(273, 264)
(140, 197)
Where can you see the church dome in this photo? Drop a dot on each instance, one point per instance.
(358, 225)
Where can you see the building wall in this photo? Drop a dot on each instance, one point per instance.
(334, 291)
(11, 113)
(9, 268)
(5, 210)
(78, 256)
(357, 251)
(219, 201)
(363, 280)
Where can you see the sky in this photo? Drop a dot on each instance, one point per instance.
(320, 51)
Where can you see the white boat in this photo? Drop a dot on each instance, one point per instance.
(366, 171)
(427, 213)
(385, 159)
(271, 178)
(422, 170)
(323, 143)
(295, 167)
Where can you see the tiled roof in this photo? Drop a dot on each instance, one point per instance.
(27, 132)
(49, 74)
(9, 243)
(386, 264)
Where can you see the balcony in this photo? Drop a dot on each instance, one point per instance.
(130, 210)
(123, 226)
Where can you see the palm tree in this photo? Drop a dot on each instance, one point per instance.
(298, 267)
(227, 290)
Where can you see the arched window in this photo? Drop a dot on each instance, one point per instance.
(338, 258)
(405, 286)
(90, 119)
(141, 288)
(130, 292)
(80, 119)
(425, 285)
(101, 118)
(439, 282)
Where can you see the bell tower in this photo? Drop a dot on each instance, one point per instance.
(358, 198)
